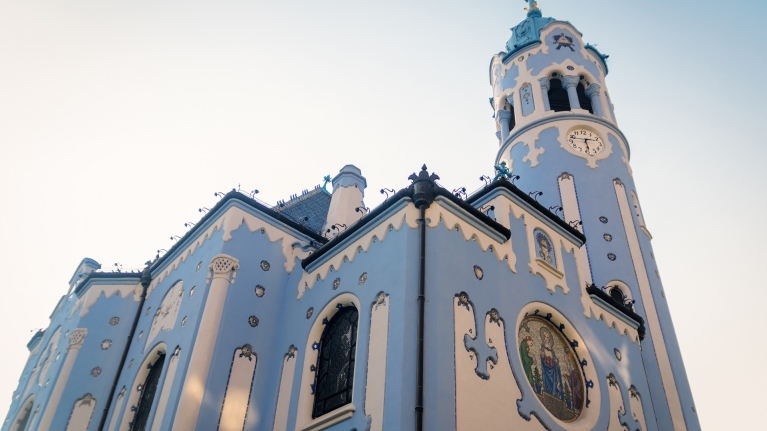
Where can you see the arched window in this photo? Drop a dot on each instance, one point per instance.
(584, 100)
(335, 364)
(617, 294)
(148, 391)
(558, 100)
(512, 120)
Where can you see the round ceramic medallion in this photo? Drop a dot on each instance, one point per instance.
(611, 256)
(95, 372)
(363, 278)
(253, 321)
(265, 265)
(551, 368)
(336, 283)
(260, 290)
(309, 312)
(191, 291)
(478, 272)
(603, 219)
(608, 237)
(618, 355)
(114, 321)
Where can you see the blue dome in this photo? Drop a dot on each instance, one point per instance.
(528, 31)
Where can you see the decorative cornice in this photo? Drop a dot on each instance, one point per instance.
(225, 267)
(520, 130)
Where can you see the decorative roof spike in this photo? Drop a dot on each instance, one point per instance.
(423, 186)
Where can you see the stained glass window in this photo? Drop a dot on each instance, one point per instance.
(335, 365)
(149, 388)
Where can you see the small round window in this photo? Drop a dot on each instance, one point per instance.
(551, 368)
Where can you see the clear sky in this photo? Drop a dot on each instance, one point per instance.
(118, 120)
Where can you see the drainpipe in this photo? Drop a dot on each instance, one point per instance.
(423, 195)
(146, 278)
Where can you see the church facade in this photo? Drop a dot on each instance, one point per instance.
(436, 310)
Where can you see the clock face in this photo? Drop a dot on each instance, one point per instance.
(585, 141)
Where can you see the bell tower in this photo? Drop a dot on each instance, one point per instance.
(557, 129)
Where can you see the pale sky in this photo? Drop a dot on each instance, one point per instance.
(118, 120)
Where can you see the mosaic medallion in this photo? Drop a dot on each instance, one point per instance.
(183, 322)
(478, 272)
(336, 283)
(494, 317)
(570, 68)
(253, 321)
(618, 355)
(260, 290)
(265, 265)
(611, 256)
(363, 278)
(140, 334)
(246, 352)
(309, 312)
(608, 237)
(96, 371)
(463, 300)
(130, 364)
(146, 313)
(603, 219)
(544, 248)
(114, 321)
(551, 368)
(199, 265)
(106, 344)
(191, 291)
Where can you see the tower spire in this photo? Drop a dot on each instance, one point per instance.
(531, 5)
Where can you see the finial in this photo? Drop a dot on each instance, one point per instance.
(423, 168)
(532, 5)
(326, 178)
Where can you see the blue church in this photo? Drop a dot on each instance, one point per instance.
(435, 310)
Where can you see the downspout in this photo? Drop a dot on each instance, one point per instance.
(146, 278)
(423, 195)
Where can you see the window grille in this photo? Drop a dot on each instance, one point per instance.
(148, 392)
(335, 365)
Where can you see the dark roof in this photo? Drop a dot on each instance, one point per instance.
(404, 193)
(310, 209)
(506, 184)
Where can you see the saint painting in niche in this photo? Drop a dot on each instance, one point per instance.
(551, 368)
(544, 249)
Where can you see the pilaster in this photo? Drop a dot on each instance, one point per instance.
(569, 82)
(592, 91)
(76, 341)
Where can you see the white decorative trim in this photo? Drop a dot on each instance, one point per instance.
(304, 421)
(167, 387)
(82, 412)
(378, 343)
(76, 340)
(95, 292)
(637, 410)
(652, 320)
(617, 407)
(442, 211)
(533, 154)
(231, 219)
(118, 408)
(193, 388)
(286, 390)
(167, 313)
(238, 388)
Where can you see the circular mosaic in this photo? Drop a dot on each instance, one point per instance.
(265, 265)
(253, 321)
(191, 291)
(140, 334)
(309, 312)
(618, 355)
(106, 344)
(199, 265)
(114, 321)
(260, 290)
(611, 256)
(146, 313)
(96, 371)
(551, 368)
(608, 237)
(363, 278)
(570, 68)
(478, 272)
(603, 219)
(183, 322)
(336, 283)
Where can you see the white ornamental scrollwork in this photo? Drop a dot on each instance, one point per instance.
(223, 265)
(77, 338)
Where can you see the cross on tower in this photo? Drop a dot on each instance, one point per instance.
(531, 4)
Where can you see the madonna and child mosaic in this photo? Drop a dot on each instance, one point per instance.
(551, 368)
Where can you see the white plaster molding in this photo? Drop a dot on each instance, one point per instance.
(167, 313)
(286, 390)
(24, 407)
(82, 412)
(304, 420)
(53, 345)
(230, 221)
(118, 408)
(637, 410)
(76, 340)
(376, 371)
(134, 394)
(590, 415)
(479, 403)
(95, 292)
(442, 211)
(651, 314)
(533, 154)
(572, 213)
(193, 389)
(167, 387)
(237, 395)
(617, 407)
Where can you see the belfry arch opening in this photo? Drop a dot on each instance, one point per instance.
(558, 99)
(584, 100)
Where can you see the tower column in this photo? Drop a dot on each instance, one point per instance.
(223, 268)
(592, 91)
(569, 82)
(504, 117)
(545, 87)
